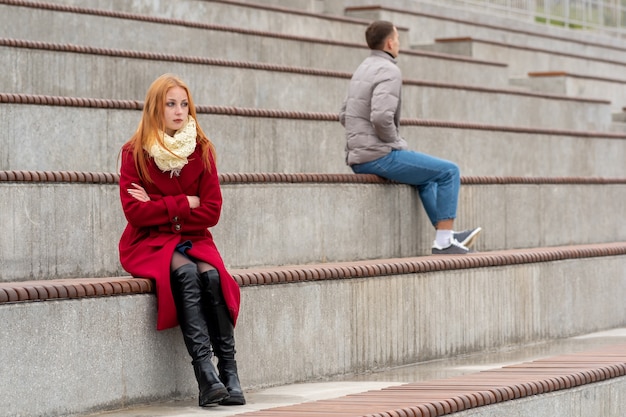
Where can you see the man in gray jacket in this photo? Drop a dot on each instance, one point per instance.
(371, 117)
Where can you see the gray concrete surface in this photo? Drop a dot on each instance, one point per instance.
(240, 15)
(522, 61)
(572, 401)
(79, 75)
(105, 352)
(170, 38)
(571, 85)
(257, 144)
(93, 354)
(310, 222)
(450, 22)
(603, 397)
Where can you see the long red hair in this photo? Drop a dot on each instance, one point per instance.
(152, 125)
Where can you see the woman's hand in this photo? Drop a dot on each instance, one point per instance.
(194, 201)
(138, 193)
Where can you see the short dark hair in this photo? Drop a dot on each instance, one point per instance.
(377, 32)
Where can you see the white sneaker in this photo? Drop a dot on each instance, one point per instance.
(455, 248)
(468, 237)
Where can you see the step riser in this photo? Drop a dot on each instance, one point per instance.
(242, 145)
(234, 86)
(431, 28)
(592, 399)
(578, 87)
(521, 62)
(238, 16)
(104, 352)
(259, 223)
(173, 39)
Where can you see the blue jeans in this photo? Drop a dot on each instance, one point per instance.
(438, 181)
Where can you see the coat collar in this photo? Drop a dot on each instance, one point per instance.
(177, 184)
(383, 54)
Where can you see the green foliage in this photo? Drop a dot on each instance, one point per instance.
(556, 22)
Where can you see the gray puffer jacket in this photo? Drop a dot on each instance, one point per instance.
(371, 110)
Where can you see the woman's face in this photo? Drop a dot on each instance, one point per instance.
(176, 109)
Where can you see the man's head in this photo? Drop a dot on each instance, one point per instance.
(383, 35)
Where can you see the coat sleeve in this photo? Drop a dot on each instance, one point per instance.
(342, 112)
(208, 213)
(385, 101)
(159, 211)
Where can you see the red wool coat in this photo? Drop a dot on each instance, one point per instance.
(157, 226)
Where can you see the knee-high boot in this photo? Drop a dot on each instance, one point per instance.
(222, 333)
(187, 292)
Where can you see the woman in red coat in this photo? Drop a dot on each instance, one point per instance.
(171, 195)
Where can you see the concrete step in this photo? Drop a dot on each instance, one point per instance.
(327, 211)
(256, 140)
(577, 85)
(29, 21)
(522, 59)
(238, 14)
(73, 72)
(439, 21)
(103, 352)
(432, 376)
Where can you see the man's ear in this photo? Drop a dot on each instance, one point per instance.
(387, 46)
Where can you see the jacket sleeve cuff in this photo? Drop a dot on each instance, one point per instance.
(178, 210)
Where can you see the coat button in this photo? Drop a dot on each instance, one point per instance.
(175, 219)
(177, 227)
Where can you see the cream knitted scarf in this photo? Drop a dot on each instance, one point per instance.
(179, 147)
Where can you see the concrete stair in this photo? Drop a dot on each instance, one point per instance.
(598, 398)
(576, 84)
(346, 288)
(165, 35)
(592, 63)
(303, 203)
(231, 83)
(441, 22)
(241, 136)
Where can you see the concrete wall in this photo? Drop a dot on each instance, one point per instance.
(96, 353)
(266, 224)
(282, 144)
(602, 398)
(571, 85)
(238, 15)
(76, 75)
(104, 352)
(435, 21)
(522, 61)
(171, 37)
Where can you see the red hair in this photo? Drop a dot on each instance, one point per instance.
(152, 125)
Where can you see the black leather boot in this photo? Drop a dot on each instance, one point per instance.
(222, 333)
(187, 292)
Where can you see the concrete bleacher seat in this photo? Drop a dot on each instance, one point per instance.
(577, 85)
(318, 206)
(331, 319)
(324, 268)
(248, 84)
(522, 60)
(241, 136)
(439, 21)
(234, 13)
(169, 36)
(493, 389)
(597, 62)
